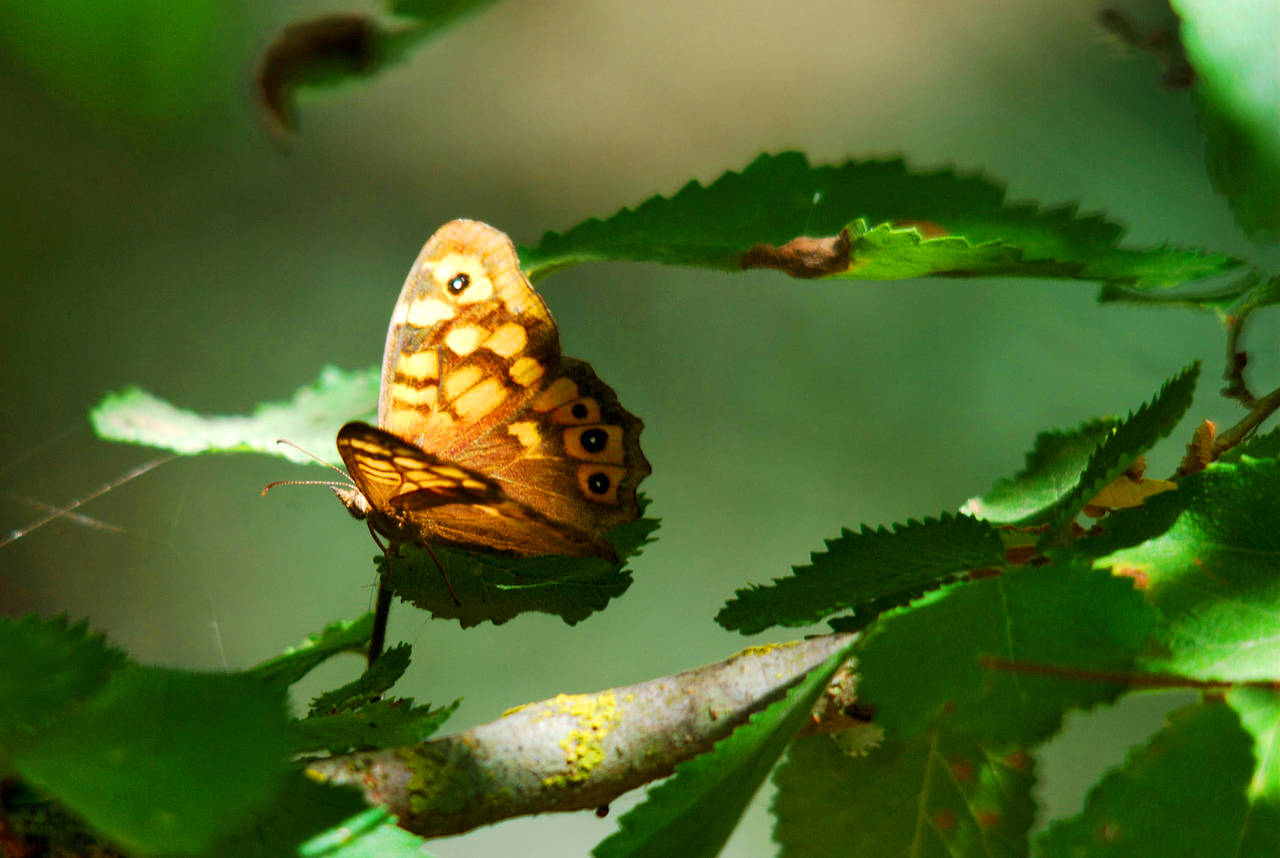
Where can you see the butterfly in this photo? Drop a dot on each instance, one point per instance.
(488, 438)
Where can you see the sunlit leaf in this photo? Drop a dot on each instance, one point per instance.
(310, 419)
(1183, 793)
(864, 219)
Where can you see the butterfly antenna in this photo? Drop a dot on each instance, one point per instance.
(331, 483)
(312, 456)
(346, 478)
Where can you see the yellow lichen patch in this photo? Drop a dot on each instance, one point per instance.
(765, 649)
(418, 366)
(464, 340)
(514, 709)
(526, 432)
(425, 312)
(562, 390)
(508, 340)
(460, 380)
(525, 371)
(480, 400)
(595, 716)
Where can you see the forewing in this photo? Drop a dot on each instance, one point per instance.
(395, 476)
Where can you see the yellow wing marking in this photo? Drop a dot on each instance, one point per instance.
(411, 397)
(525, 371)
(508, 341)
(425, 312)
(419, 366)
(526, 432)
(464, 340)
(562, 390)
(461, 380)
(480, 399)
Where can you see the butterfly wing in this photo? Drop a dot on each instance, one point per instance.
(472, 374)
(414, 497)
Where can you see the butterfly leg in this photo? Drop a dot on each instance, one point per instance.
(443, 574)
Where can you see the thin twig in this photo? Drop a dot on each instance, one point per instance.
(1236, 361)
(1132, 680)
(1260, 411)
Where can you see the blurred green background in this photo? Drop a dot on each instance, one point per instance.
(153, 234)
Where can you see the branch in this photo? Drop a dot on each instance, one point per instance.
(581, 751)
(1260, 410)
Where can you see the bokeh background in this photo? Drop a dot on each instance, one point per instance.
(154, 235)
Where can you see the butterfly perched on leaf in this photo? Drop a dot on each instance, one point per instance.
(488, 438)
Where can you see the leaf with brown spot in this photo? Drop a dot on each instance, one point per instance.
(802, 257)
(900, 799)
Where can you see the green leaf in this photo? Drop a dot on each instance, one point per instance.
(310, 419)
(371, 834)
(1233, 45)
(47, 666)
(296, 662)
(1222, 297)
(495, 588)
(901, 223)
(1052, 470)
(1259, 711)
(935, 794)
(920, 666)
(380, 724)
(1183, 793)
(1264, 446)
(370, 685)
(301, 811)
(1208, 563)
(698, 807)
(1136, 434)
(165, 761)
(875, 567)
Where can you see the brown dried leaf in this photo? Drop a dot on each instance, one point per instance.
(1200, 453)
(802, 257)
(347, 42)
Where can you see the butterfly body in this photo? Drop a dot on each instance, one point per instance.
(488, 438)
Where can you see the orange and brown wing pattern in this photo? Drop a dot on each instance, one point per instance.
(473, 378)
(468, 343)
(573, 453)
(415, 497)
(395, 476)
